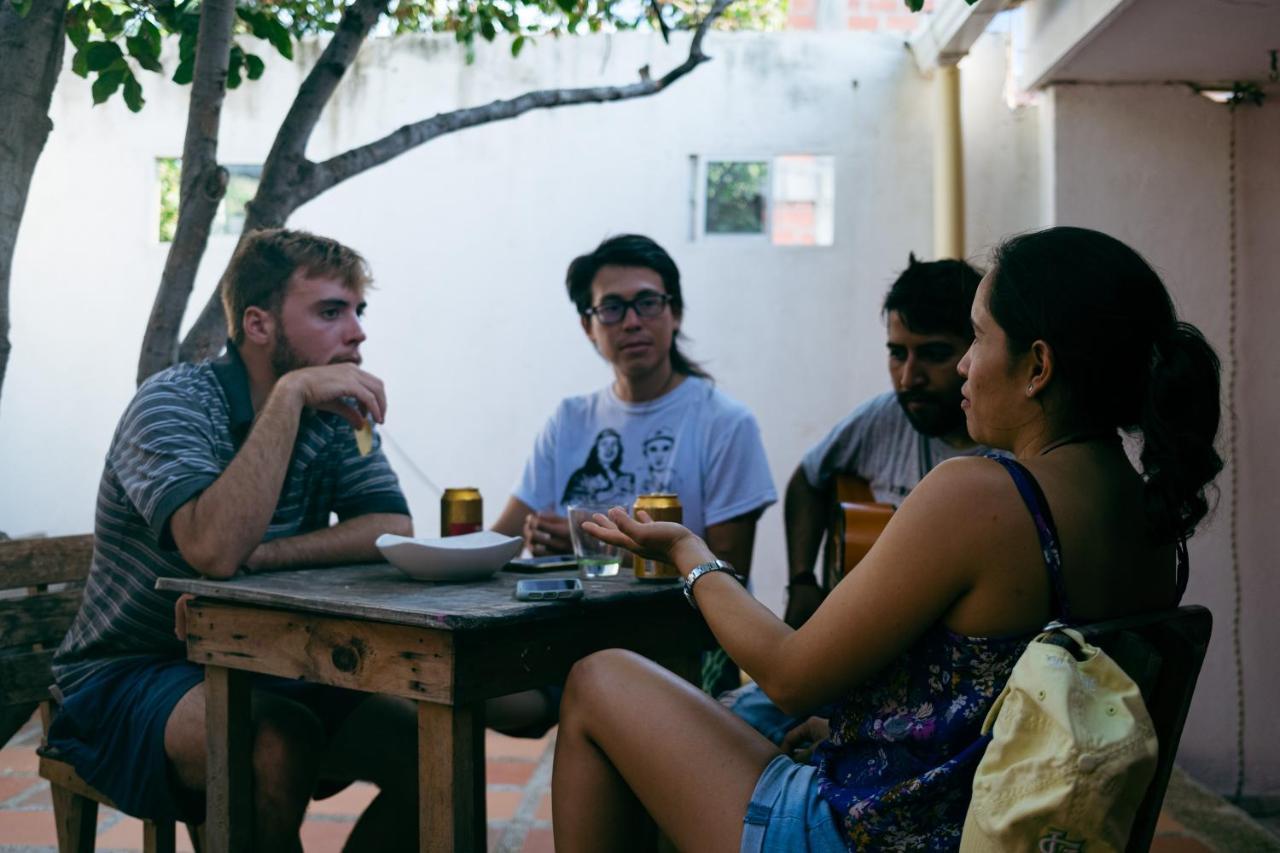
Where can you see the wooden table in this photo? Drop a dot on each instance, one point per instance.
(447, 646)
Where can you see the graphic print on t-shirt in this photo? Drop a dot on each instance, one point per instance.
(659, 453)
(601, 478)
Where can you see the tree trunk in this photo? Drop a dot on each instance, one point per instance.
(31, 48)
(289, 180)
(204, 183)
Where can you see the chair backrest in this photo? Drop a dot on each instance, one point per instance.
(41, 584)
(1162, 652)
(856, 523)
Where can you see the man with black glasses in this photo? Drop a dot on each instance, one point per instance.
(599, 448)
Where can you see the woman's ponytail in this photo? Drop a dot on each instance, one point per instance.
(1124, 359)
(1179, 420)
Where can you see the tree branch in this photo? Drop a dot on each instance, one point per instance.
(204, 183)
(351, 163)
(318, 87)
(294, 180)
(32, 49)
(286, 167)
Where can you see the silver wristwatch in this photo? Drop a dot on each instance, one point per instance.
(702, 569)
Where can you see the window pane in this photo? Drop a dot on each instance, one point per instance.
(168, 171)
(242, 186)
(803, 200)
(736, 197)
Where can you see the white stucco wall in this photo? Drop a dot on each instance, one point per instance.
(1149, 164)
(469, 237)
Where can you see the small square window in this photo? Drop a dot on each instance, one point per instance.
(788, 198)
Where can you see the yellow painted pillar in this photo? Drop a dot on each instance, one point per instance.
(948, 167)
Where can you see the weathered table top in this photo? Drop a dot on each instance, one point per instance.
(382, 593)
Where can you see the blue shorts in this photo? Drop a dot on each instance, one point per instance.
(111, 729)
(786, 815)
(751, 705)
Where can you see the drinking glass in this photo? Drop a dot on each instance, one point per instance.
(596, 559)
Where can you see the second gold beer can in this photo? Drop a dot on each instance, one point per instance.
(661, 506)
(461, 511)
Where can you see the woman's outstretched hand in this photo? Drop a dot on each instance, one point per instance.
(653, 540)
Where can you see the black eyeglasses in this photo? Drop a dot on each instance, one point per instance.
(611, 311)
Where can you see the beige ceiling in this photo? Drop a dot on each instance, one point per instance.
(1202, 41)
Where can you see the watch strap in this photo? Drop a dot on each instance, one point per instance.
(704, 569)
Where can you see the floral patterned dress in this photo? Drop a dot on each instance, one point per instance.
(898, 767)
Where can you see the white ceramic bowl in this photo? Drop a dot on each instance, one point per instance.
(470, 557)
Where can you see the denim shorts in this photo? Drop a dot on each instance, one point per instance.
(749, 704)
(111, 730)
(786, 815)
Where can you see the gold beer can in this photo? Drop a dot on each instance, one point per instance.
(461, 511)
(661, 506)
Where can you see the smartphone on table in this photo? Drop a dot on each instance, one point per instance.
(548, 589)
(549, 563)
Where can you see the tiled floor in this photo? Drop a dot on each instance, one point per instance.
(518, 773)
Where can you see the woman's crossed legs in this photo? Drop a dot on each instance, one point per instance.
(634, 738)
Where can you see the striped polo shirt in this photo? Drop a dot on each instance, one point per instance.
(179, 434)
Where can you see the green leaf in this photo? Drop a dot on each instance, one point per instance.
(271, 30)
(101, 15)
(517, 45)
(567, 6)
(150, 33)
(106, 84)
(78, 27)
(488, 30)
(79, 64)
(133, 93)
(186, 68)
(916, 5)
(141, 50)
(22, 7)
(236, 60)
(100, 54)
(254, 65)
(108, 21)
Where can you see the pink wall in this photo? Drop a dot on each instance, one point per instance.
(1150, 165)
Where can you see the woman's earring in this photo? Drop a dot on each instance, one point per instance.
(1031, 389)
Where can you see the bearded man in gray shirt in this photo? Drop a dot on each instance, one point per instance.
(892, 440)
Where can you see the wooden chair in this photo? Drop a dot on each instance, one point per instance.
(1163, 653)
(856, 523)
(41, 584)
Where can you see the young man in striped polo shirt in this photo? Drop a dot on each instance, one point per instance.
(228, 466)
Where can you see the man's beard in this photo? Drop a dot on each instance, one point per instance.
(942, 416)
(284, 357)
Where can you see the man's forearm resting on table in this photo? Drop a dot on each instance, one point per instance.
(805, 512)
(350, 541)
(218, 529)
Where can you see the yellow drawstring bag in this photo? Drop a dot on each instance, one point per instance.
(1072, 753)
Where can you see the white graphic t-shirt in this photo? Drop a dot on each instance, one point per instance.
(694, 441)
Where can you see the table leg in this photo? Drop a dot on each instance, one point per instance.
(451, 813)
(687, 665)
(228, 732)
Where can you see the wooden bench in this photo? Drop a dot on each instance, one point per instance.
(41, 584)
